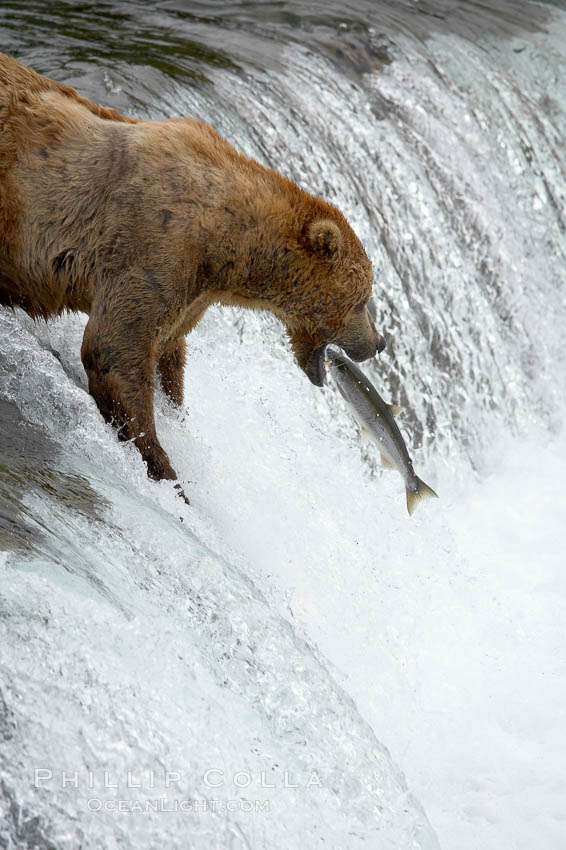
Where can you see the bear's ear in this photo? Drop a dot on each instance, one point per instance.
(324, 238)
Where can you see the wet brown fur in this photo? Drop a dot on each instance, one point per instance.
(143, 225)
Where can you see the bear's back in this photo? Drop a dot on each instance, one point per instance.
(20, 87)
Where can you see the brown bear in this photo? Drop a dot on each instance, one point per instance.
(143, 225)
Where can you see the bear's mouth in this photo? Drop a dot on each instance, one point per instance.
(315, 369)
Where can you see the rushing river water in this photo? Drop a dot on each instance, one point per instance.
(295, 618)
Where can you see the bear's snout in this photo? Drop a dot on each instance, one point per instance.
(364, 349)
(361, 341)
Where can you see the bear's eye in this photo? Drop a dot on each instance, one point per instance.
(359, 308)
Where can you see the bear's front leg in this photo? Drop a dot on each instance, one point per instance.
(171, 369)
(118, 354)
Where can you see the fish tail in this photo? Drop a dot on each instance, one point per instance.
(423, 491)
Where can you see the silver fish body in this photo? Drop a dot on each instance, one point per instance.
(376, 418)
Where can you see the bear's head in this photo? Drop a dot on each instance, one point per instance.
(328, 302)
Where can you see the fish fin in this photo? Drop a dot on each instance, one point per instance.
(394, 409)
(386, 463)
(423, 491)
(365, 435)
